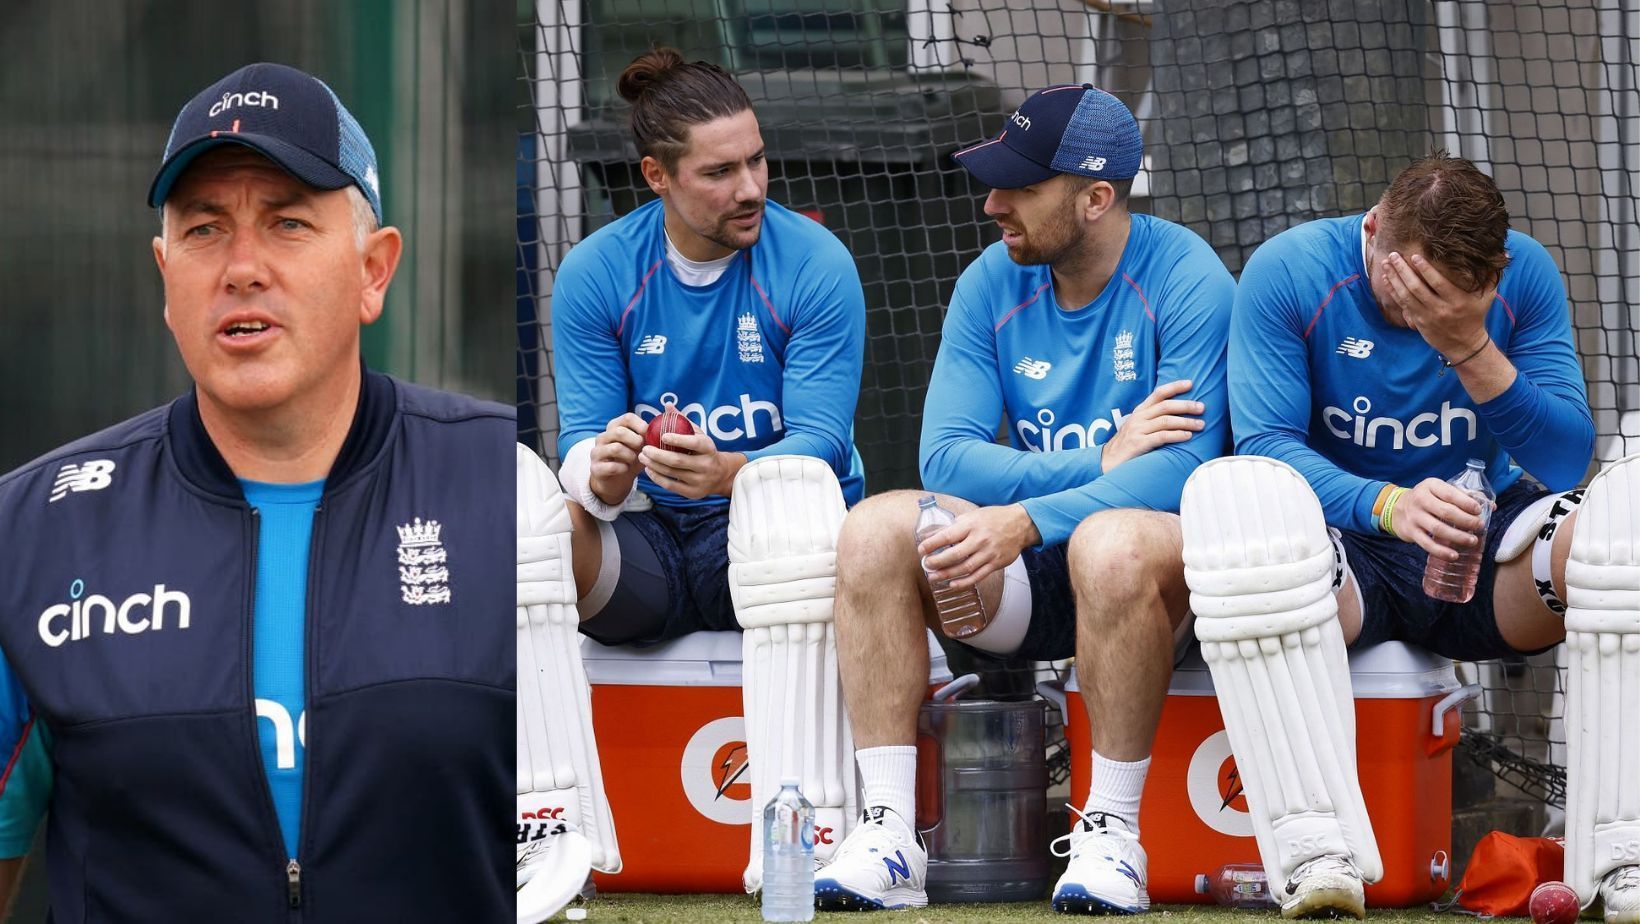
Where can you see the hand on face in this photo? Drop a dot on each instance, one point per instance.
(1449, 319)
(1159, 420)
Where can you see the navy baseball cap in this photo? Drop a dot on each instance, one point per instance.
(1076, 128)
(290, 117)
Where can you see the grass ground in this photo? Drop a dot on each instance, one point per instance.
(701, 909)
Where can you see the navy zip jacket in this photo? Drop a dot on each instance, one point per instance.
(126, 614)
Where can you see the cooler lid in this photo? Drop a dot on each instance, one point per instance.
(1389, 670)
(699, 659)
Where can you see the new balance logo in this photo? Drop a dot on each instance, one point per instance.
(897, 870)
(1358, 349)
(1033, 368)
(652, 345)
(90, 476)
(1095, 164)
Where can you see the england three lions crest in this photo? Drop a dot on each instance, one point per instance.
(424, 577)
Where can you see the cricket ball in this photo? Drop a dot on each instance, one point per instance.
(1553, 903)
(669, 421)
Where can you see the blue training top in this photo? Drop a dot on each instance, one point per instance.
(766, 359)
(1063, 377)
(1320, 380)
(285, 512)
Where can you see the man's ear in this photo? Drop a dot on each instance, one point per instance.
(382, 249)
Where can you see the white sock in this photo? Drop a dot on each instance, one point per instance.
(1117, 786)
(889, 777)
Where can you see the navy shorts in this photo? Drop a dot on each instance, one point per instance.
(674, 577)
(1052, 632)
(1390, 574)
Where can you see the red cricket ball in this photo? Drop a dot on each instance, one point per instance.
(669, 421)
(1553, 903)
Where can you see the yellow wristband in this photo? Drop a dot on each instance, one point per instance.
(1386, 522)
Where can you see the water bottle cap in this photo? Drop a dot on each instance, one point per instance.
(791, 781)
(1477, 463)
(926, 501)
(1201, 883)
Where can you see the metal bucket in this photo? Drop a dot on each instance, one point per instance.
(982, 800)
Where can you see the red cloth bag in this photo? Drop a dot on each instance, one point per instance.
(1503, 871)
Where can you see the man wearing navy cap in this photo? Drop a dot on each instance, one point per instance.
(1098, 337)
(257, 658)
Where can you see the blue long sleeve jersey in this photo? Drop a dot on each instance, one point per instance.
(1320, 380)
(766, 359)
(1063, 379)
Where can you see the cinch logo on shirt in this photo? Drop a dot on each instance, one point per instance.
(1420, 431)
(1043, 437)
(253, 98)
(88, 476)
(1033, 368)
(286, 734)
(87, 614)
(725, 422)
(1353, 347)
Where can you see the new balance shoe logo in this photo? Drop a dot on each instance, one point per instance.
(1358, 349)
(652, 345)
(1033, 368)
(898, 868)
(89, 476)
(1092, 163)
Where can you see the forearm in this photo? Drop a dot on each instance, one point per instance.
(1550, 435)
(991, 474)
(1484, 370)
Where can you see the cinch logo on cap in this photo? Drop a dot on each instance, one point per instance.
(253, 98)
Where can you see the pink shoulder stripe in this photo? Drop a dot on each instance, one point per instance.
(635, 295)
(1015, 310)
(1142, 300)
(17, 752)
(764, 295)
(1323, 306)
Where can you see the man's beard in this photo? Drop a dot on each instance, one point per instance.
(1048, 244)
(726, 235)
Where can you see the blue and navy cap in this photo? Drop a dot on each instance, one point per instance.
(288, 116)
(1077, 129)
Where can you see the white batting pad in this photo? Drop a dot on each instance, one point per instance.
(1259, 564)
(557, 754)
(1603, 680)
(784, 516)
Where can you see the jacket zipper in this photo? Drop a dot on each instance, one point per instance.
(293, 870)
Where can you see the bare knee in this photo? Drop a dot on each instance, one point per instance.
(876, 538)
(1123, 554)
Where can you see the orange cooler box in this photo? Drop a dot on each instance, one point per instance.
(672, 743)
(1194, 818)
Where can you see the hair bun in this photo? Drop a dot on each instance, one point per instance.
(646, 70)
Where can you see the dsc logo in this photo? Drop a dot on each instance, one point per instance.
(726, 422)
(535, 824)
(1424, 429)
(86, 614)
(1626, 852)
(286, 734)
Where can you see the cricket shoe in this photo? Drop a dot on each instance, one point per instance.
(1620, 894)
(1325, 887)
(551, 872)
(881, 864)
(1106, 873)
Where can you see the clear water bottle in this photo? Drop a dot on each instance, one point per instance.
(1454, 581)
(961, 612)
(1237, 885)
(788, 856)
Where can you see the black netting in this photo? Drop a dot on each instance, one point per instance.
(1257, 116)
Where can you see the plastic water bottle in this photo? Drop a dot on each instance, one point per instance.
(1237, 885)
(788, 856)
(1454, 581)
(961, 612)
